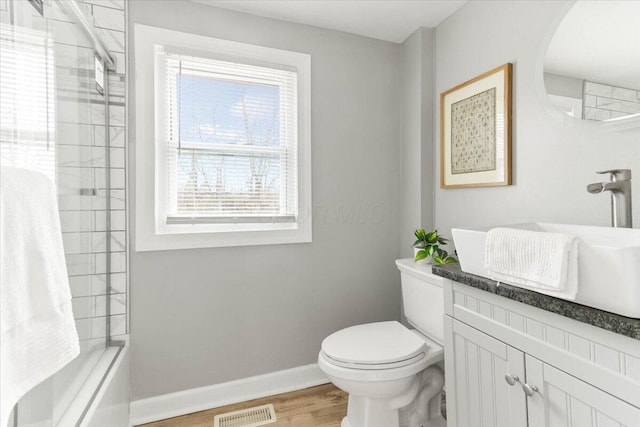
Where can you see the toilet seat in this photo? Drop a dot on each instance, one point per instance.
(374, 346)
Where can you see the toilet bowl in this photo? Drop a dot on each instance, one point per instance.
(391, 372)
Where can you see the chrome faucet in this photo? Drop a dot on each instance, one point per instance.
(620, 188)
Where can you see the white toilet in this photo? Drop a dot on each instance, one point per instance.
(390, 371)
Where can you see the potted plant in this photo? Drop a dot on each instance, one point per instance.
(427, 246)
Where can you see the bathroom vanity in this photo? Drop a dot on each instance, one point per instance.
(515, 358)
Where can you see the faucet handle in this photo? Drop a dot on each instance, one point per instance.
(618, 174)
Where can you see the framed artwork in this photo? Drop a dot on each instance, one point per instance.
(475, 131)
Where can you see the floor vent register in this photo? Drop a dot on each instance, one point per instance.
(251, 417)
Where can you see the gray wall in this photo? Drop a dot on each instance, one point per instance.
(417, 127)
(201, 317)
(554, 158)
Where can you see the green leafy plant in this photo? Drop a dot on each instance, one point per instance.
(429, 245)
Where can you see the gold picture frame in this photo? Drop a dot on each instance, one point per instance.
(475, 131)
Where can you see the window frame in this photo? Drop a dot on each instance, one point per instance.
(152, 231)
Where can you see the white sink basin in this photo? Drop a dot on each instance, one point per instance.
(608, 262)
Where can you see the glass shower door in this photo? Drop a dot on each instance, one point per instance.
(53, 120)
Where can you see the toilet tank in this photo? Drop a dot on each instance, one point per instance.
(422, 298)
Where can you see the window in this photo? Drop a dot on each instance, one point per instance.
(230, 143)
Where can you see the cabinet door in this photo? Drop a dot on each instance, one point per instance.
(477, 393)
(562, 400)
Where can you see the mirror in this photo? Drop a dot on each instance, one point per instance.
(592, 66)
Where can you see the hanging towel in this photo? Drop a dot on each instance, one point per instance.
(37, 331)
(539, 261)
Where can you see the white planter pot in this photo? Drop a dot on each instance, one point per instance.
(422, 261)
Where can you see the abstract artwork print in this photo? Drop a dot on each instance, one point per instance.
(473, 133)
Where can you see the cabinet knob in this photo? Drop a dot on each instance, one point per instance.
(511, 379)
(529, 390)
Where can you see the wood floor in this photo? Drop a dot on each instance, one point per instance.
(322, 406)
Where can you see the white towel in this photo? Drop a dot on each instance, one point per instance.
(37, 331)
(540, 261)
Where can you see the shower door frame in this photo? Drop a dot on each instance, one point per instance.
(79, 409)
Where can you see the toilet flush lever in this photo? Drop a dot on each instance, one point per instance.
(511, 379)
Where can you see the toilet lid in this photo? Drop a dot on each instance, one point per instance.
(374, 344)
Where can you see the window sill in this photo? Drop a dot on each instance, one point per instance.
(197, 236)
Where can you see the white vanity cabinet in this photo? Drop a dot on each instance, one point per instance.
(497, 351)
(477, 394)
(564, 400)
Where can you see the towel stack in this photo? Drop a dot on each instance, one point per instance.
(540, 261)
(37, 331)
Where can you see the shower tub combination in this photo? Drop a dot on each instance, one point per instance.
(56, 120)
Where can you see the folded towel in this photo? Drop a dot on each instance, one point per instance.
(37, 331)
(540, 261)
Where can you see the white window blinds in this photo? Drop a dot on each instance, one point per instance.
(27, 100)
(231, 141)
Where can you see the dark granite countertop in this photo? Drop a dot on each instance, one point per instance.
(602, 319)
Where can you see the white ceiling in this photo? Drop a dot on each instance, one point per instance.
(598, 41)
(390, 20)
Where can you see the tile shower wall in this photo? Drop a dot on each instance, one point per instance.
(81, 162)
(603, 102)
(83, 221)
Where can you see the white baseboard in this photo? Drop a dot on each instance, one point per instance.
(213, 396)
